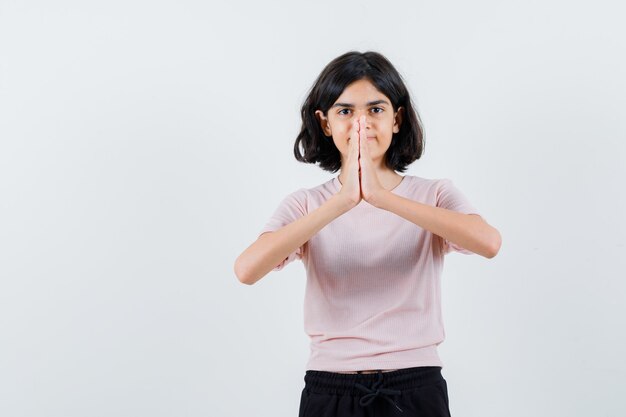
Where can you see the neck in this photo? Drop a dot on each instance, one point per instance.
(389, 179)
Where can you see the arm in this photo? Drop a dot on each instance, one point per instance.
(469, 231)
(272, 247)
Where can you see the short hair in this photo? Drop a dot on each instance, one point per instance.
(406, 146)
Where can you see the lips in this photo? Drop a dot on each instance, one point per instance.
(369, 137)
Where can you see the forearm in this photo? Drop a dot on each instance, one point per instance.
(272, 248)
(468, 231)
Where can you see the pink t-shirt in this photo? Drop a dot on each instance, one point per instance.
(373, 291)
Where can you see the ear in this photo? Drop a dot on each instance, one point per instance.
(319, 115)
(398, 119)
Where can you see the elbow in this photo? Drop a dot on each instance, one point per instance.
(240, 272)
(494, 247)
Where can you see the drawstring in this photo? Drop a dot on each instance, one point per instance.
(376, 390)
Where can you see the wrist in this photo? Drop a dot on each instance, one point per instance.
(378, 199)
(342, 203)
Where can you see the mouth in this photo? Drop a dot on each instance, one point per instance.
(368, 138)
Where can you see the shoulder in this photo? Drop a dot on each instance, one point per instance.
(432, 190)
(422, 184)
(319, 193)
(415, 180)
(307, 196)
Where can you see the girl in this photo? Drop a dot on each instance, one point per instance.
(373, 244)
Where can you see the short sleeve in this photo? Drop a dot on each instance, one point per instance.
(290, 209)
(451, 198)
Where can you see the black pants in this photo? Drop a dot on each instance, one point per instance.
(420, 392)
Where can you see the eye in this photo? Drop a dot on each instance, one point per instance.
(373, 108)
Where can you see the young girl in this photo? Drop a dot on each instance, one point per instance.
(373, 244)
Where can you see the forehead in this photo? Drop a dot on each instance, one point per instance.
(360, 93)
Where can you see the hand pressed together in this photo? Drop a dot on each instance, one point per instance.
(361, 181)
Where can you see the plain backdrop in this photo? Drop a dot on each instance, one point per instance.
(145, 143)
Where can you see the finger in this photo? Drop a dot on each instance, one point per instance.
(362, 132)
(354, 133)
(362, 128)
(353, 149)
(363, 137)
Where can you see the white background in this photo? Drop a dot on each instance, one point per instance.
(145, 143)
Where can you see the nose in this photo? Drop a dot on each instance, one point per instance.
(357, 117)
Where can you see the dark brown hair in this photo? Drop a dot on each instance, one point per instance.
(406, 146)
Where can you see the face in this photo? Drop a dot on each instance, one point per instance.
(357, 99)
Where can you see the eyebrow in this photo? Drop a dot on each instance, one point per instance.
(371, 103)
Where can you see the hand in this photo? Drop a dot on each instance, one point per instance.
(370, 185)
(351, 186)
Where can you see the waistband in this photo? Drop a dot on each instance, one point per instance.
(369, 386)
(402, 379)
